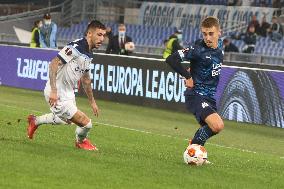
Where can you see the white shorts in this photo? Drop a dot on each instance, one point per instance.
(64, 109)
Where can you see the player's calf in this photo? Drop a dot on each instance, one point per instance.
(82, 132)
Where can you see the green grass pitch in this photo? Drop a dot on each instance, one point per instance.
(139, 147)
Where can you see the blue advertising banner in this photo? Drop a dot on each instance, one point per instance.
(251, 95)
(24, 67)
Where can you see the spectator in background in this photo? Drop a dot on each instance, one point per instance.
(249, 38)
(234, 2)
(165, 41)
(229, 46)
(173, 44)
(275, 30)
(121, 43)
(108, 36)
(48, 32)
(255, 23)
(109, 32)
(264, 26)
(35, 42)
(278, 4)
(247, 2)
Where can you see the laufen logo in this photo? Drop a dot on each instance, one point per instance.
(32, 69)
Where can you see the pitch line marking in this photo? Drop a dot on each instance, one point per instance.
(169, 136)
(146, 132)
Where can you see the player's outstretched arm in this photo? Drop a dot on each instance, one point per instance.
(174, 60)
(86, 82)
(53, 68)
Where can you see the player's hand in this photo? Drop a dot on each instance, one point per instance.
(188, 83)
(53, 98)
(95, 108)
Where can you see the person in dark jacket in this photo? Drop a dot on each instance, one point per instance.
(118, 43)
(229, 46)
(275, 30)
(264, 27)
(249, 38)
(255, 23)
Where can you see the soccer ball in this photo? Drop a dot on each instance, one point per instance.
(130, 46)
(195, 154)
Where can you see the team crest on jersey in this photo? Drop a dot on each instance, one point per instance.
(204, 105)
(185, 50)
(68, 51)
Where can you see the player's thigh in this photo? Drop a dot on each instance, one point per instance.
(65, 110)
(215, 122)
(200, 108)
(80, 118)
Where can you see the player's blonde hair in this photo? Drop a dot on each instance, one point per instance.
(210, 21)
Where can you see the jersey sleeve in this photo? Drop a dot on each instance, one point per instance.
(67, 54)
(174, 61)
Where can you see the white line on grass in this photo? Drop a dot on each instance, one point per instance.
(146, 132)
(169, 136)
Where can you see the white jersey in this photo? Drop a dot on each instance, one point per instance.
(76, 60)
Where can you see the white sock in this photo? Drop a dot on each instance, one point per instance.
(82, 132)
(49, 119)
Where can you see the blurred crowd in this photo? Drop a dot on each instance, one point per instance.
(44, 32)
(255, 29)
(256, 3)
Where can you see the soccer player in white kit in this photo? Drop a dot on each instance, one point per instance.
(71, 65)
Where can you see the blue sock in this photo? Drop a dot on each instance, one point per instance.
(202, 135)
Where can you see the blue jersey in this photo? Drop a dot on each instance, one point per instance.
(205, 67)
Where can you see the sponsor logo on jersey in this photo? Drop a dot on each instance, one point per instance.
(216, 69)
(204, 104)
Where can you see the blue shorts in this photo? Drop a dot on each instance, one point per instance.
(200, 107)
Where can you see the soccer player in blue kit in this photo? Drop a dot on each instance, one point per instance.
(201, 80)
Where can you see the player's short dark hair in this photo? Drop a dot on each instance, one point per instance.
(96, 24)
(210, 21)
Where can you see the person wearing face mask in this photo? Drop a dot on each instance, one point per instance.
(48, 33)
(173, 44)
(121, 43)
(35, 34)
(249, 39)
